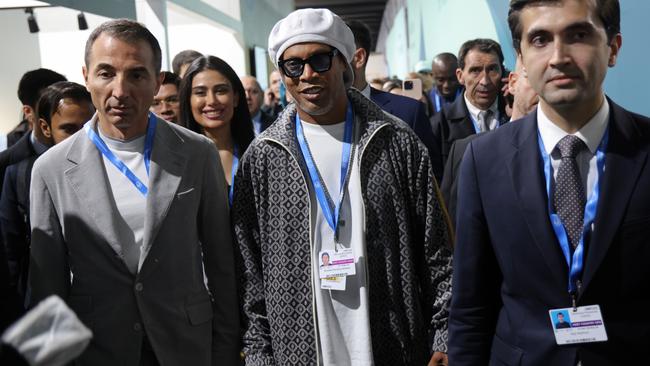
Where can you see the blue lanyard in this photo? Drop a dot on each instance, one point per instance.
(575, 263)
(331, 213)
(437, 98)
(148, 146)
(233, 171)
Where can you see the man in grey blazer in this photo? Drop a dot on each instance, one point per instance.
(130, 221)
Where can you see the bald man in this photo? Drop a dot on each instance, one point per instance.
(446, 85)
(254, 99)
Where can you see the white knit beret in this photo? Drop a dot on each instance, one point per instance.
(313, 25)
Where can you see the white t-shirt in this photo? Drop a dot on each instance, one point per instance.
(130, 202)
(343, 323)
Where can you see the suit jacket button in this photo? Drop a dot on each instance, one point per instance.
(137, 327)
(139, 286)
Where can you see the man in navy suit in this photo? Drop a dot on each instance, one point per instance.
(511, 260)
(407, 109)
(481, 107)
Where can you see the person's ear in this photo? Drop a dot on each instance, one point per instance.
(45, 128)
(359, 58)
(615, 48)
(512, 81)
(459, 76)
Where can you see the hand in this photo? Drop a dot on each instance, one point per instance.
(505, 90)
(438, 358)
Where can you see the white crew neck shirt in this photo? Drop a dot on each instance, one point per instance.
(130, 202)
(343, 322)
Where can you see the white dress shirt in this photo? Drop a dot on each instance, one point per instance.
(591, 134)
(492, 122)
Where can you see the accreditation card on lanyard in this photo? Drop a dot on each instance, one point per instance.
(334, 265)
(575, 324)
(119, 164)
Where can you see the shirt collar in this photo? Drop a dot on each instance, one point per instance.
(591, 133)
(39, 147)
(258, 117)
(366, 91)
(474, 111)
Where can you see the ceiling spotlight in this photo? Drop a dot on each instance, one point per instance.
(81, 19)
(31, 21)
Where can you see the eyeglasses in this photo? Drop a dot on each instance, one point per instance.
(320, 62)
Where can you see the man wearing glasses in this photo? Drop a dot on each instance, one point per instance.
(337, 175)
(165, 104)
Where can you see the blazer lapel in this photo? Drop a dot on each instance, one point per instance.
(166, 170)
(460, 122)
(90, 183)
(623, 162)
(528, 181)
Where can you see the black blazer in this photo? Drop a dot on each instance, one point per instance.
(14, 221)
(449, 185)
(509, 270)
(455, 123)
(413, 113)
(267, 120)
(22, 149)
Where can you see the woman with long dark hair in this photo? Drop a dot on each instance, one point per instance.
(213, 103)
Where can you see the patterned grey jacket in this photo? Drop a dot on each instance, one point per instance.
(407, 238)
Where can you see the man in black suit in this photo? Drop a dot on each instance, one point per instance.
(254, 98)
(525, 101)
(407, 109)
(29, 89)
(481, 109)
(554, 210)
(61, 111)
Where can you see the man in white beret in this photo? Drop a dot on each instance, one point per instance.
(336, 175)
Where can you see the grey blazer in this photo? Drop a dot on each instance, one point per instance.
(75, 252)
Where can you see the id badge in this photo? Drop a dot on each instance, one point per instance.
(336, 263)
(333, 283)
(582, 325)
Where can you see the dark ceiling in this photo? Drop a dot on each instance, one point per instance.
(369, 12)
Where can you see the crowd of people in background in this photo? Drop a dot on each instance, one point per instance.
(191, 217)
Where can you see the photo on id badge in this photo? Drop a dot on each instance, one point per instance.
(561, 319)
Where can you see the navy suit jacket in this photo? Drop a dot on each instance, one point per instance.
(509, 270)
(22, 149)
(413, 113)
(455, 123)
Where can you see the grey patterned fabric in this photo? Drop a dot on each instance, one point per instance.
(407, 236)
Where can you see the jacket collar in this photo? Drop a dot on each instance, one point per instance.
(87, 176)
(367, 118)
(623, 162)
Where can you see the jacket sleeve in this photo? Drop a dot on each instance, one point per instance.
(13, 226)
(475, 298)
(49, 271)
(446, 187)
(219, 264)
(422, 128)
(436, 265)
(258, 350)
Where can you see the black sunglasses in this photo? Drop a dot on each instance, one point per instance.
(320, 62)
